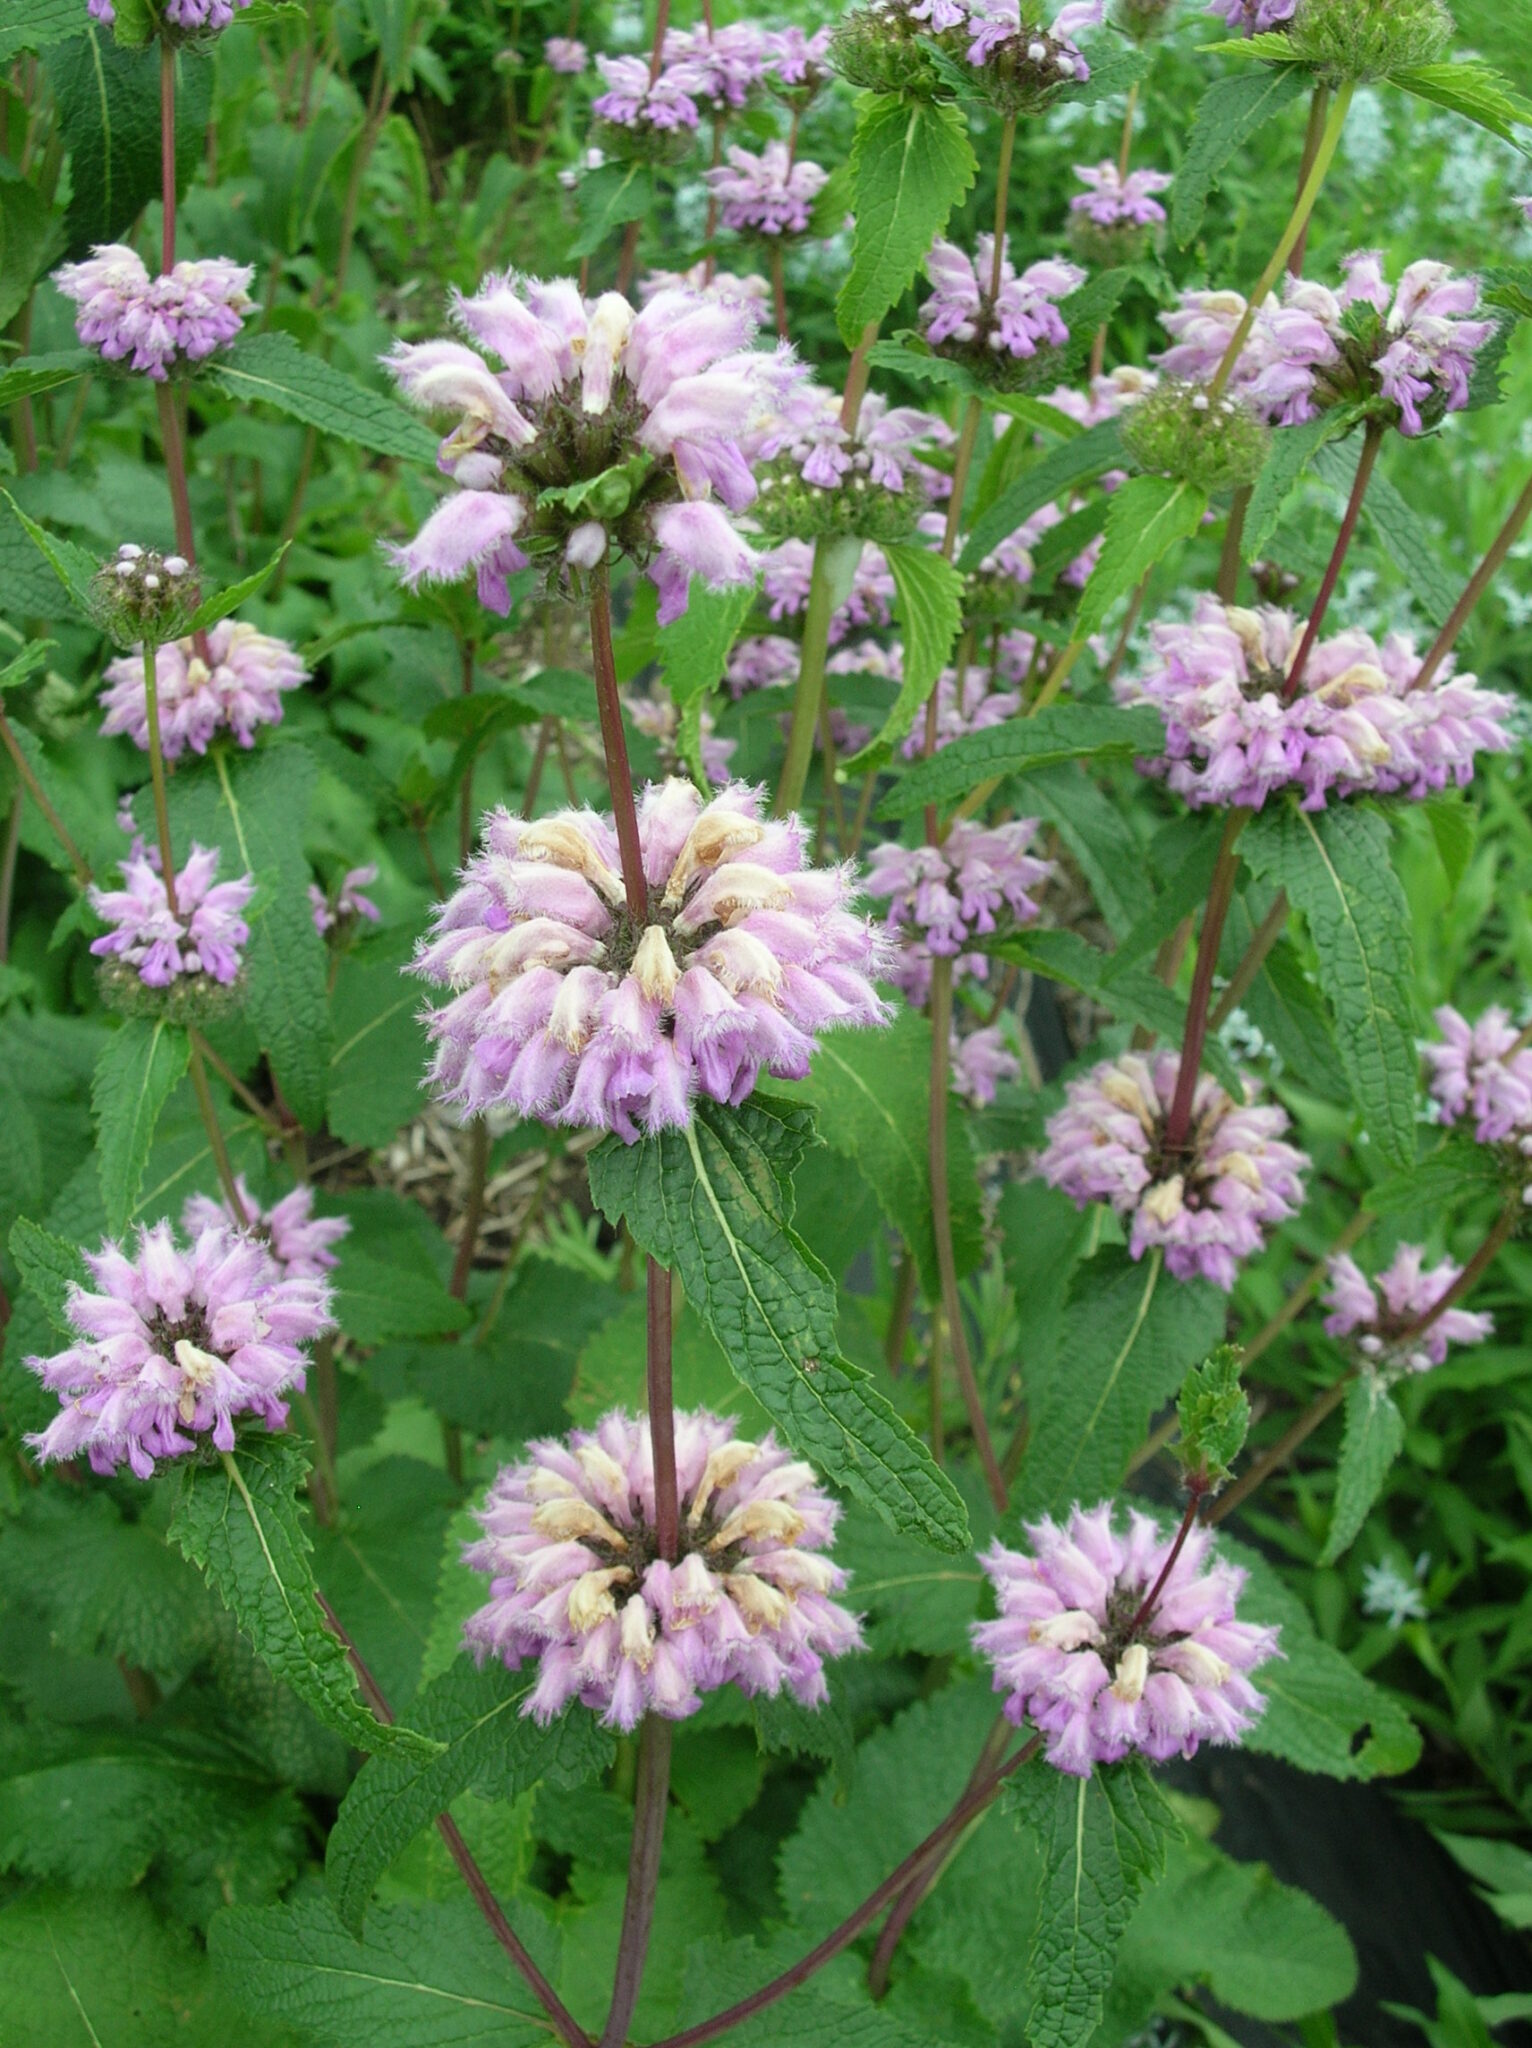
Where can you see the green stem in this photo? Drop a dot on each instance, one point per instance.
(1478, 583)
(1317, 1412)
(810, 686)
(1372, 441)
(157, 777)
(34, 790)
(1308, 193)
(962, 462)
(1220, 896)
(209, 1114)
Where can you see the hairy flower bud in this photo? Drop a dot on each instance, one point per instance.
(143, 595)
(1180, 431)
(1359, 40)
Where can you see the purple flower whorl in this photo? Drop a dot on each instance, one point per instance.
(767, 194)
(241, 691)
(297, 1240)
(201, 938)
(1067, 1653)
(1000, 336)
(821, 479)
(156, 322)
(977, 883)
(176, 1344)
(577, 1583)
(1378, 1312)
(1358, 723)
(562, 1010)
(1211, 1204)
(650, 407)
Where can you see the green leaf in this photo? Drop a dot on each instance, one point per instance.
(911, 162)
(239, 1523)
(426, 1976)
(379, 1050)
(714, 1201)
(1476, 91)
(607, 198)
(391, 1280)
(1228, 114)
(871, 1091)
(74, 568)
(1292, 451)
(1459, 1172)
(1287, 1009)
(1321, 1713)
(139, 1066)
(1059, 732)
(30, 376)
(1335, 868)
(1147, 516)
(1130, 1334)
(1099, 834)
(693, 652)
(1373, 1438)
(379, 1564)
(273, 370)
(26, 664)
(108, 103)
(1454, 823)
(1064, 543)
(1103, 1840)
(50, 1268)
(1213, 1411)
(488, 1744)
(928, 609)
(28, 228)
(1060, 471)
(222, 602)
(34, 24)
(914, 1601)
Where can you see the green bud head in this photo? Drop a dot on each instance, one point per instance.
(1364, 39)
(1180, 431)
(1142, 19)
(879, 50)
(790, 509)
(1103, 248)
(142, 595)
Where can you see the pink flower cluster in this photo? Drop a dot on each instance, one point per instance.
(565, 1009)
(970, 705)
(795, 59)
(1211, 1203)
(982, 1062)
(751, 290)
(1018, 320)
(633, 100)
(726, 64)
(1383, 1310)
(589, 388)
(1358, 723)
(348, 901)
(201, 936)
(1314, 347)
(1484, 1071)
(786, 573)
(174, 1345)
(238, 691)
(1255, 17)
(577, 1582)
(1096, 1675)
(771, 193)
(296, 1239)
(1115, 201)
(1016, 29)
(192, 17)
(882, 453)
(977, 883)
(566, 55)
(155, 321)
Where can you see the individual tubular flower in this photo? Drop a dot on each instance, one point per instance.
(201, 937)
(1379, 1313)
(1357, 724)
(648, 410)
(174, 1345)
(657, 718)
(982, 1062)
(564, 1009)
(786, 572)
(821, 479)
(970, 706)
(769, 194)
(566, 55)
(237, 688)
(155, 322)
(348, 902)
(1210, 1203)
(577, 1582)
(977, 884)
(727, 64)
(1100, 1679)
(998, 335)
(297, 1240)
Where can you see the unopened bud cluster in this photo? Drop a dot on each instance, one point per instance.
(1182, 431)
(1344, 40)
(143, 595)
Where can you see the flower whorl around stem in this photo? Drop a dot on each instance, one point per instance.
(238, 690)
(155, 322)
(1482, 1070)
(982, 1062)
(771, 193)
(576, 1580)
(1006, 336)
(822, 479)
(1212, 1202)
(1357, 725)
(978, 883)
(1113, 201)
(1378, 1312)
(297, 1240)
(665, 106)
(566, 55)
(174, 1345)
(608, 430)
(1255, 17)
(347, 902)
(972, 705)
(1100, 1684)
(202, 937)
(565, 1010)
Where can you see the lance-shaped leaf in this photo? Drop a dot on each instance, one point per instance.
(1476, 91)
(1293, 449)
(1059, 732)
(1130, 1333)
(1336, 870)
(74, 568)
(34, 24)
(488, 1744)
(138, 1068)
(1103, 1841)
(1228, 114)
(108, 102)
(911, 163)
(239, 1522)
(222, 602)
(714, 1201)
(1373, 1438)
(928, 607)
(608, 197)
(271, 369)
(1079, 461)
(50, 1267)
(1147, 516)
